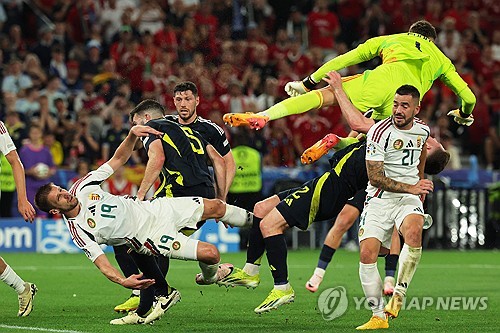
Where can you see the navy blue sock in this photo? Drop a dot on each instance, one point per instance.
(391, 261)
(276, 256)
(256, 246)
(325, 256)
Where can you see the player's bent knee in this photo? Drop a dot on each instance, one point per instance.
(262, 208)
(208, 253)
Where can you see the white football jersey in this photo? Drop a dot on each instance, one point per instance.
(6, 143)
(114, 220)
(399, 150)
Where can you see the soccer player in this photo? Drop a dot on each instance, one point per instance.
(186, 99)
(395, 159)
(319, 199)
(26, 290)
(180, 158)
(407, 58)
(150, 227)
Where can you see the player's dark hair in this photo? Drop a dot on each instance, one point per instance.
(424, 28)
(42, 197)
(436, 162)
(185, 86)
(408, 90)
(148, 105)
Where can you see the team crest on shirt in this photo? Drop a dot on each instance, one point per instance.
(419, 141)
(398, 144)
(91, 222)
(361, 232)
(176, 245)
(370, 149)
(94, 196)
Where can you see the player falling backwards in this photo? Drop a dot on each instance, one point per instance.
(407, 58)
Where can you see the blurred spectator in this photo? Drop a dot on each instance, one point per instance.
(57, 63)
(110, 18)
(43, 117)
(131, 67)
(270, 95)
(84, 144)
(374, 21)
(209, 102)
(73, 83)
(28, 104)
(16, 127)
(82, 168)
(301, 62)
(17, 43)
(449, 38)
(448, 142)
(280, 145)
(116, 133)
(495, 45)
(166, 39)
(82, 15)
(90, 66)
(234, 101)
(55, 147)
(119, 185)
(296, 26)
(88, 98)
(151, 53)
(323, 26)
(434, 12)
(43, 47)
(149, 16)
(61, 37)
(308, 128)
(33, 68)
(156, 86)
(38, 164)
(16, 81)
(53, 90)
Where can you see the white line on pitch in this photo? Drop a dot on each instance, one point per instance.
(40, 329)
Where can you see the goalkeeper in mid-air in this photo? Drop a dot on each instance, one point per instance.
(407, 58)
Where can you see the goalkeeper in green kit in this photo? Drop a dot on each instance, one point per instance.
(407, 58)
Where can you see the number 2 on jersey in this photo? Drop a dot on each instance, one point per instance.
(408, 155)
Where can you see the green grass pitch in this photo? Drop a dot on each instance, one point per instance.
(74, 297)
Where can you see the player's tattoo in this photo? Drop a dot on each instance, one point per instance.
(377, 178)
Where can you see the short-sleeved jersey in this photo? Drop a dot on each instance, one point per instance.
(399, 150)
(109, 219)
(6, 143)
(185, 157)
(210, 131)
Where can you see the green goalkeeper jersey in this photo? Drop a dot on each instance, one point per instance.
(416, 53)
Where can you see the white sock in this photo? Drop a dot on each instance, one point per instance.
(283, 287)
(408, 262)
(209, 272)
(372, 287)
(319, 272)
(136, 292)
(251, 269)
(237, 217)
(12, 279)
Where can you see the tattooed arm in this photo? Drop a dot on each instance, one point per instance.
(378, 179)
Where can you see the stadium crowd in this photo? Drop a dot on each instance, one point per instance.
(72, 70)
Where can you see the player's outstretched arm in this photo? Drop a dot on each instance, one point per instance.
(123, 152)
(356, 120)
(132, 282)
(377, 178)
(23, 205)
(156, 159)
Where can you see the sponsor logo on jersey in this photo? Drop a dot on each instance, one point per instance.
(419, 141)
(91, 223)
(370, 149)
(361, 232)
(176, 245)
(398, 144)
(94, 196)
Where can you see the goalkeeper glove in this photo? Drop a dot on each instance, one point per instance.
(461, 118)
(296, 88)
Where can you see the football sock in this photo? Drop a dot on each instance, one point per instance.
(236, 216)
(146, 301)
(325, 256)
(12, 279)
(283, 287)
(391, 261)
(209, 272)
(164, 264)
(256, 246)
(319, 271)
(276, 256)
(372, 287)
(136, 292)
(251, 269)
(125, 261)
(408, 262)
(294, 105)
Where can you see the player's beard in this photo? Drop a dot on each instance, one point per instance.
(405, 123)
(70, 208)
(189, 115)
